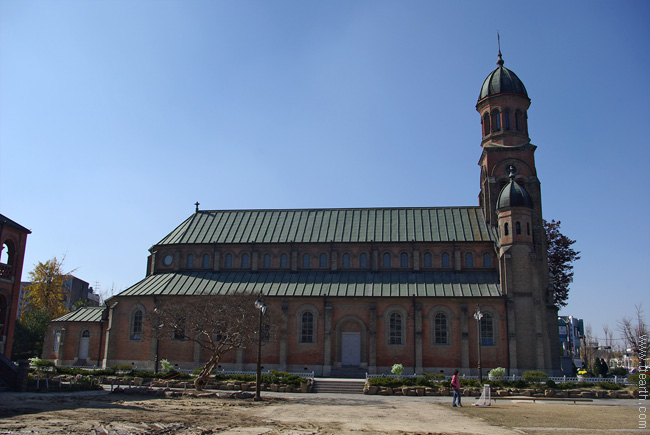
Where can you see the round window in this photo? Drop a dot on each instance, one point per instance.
(167, 261)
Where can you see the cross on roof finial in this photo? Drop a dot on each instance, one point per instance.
(500, 61)
(197, 205)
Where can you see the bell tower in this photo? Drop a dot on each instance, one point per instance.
(511, 200)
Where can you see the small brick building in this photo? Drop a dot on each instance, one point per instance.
(361, 289)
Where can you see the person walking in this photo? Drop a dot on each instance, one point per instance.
(455, 385)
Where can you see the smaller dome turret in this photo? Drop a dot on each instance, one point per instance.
(513, 195)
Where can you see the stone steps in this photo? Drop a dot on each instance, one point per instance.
(339, 386)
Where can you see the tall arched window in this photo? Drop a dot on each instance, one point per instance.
(386, 260)
(346, 261)
(528, 228)
(487, 330)
(136, 325)
(395, 329)
(428, 262)
(267, 261)
(469, 260)
(205, 263)
(497, 121)
(445, 260)
(307, 327)
(404, 260)
(506, 119)
(440, 329)
(517, 228)
(322, 262)
(190, 261)
(363, 260)
(283, 261)
(486, 124)
(505, 229)
(518, 120)
(306, 261)
(244, 261)
(228, 261)
(487, 260)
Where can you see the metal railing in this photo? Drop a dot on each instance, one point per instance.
(562, 379)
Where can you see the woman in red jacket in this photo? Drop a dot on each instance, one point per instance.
(455, 384)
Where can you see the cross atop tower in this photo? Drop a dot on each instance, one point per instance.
(197, 205)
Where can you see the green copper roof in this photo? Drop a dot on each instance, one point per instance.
(319, 283)
(440, 224)
(83, 314)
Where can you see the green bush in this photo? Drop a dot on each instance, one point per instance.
(42, 364)
(608, 386)
(534, 376)
(551, 384)
(469, 383)
(634, 378)
(72, 371)
(618, 371)
(497, 372)
(520, 383)
(434, 377)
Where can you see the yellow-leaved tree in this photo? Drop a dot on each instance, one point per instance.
(48, 291)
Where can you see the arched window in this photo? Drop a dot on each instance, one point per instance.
(528, 228)
(244, 261)
(85, 334)
(506, 119)
(346, 261)
(497, 121)
(57, 340)
(395, 329)
(486, 124)
(517, 228)
(487, 330)
(283, 261)
(190, 261)
(518, 120)
(386, 260)
(445, 260)
(307, 327)
(267, 261)
(505, 229)
(428, 260)
(404, 260)
(136, 325)
(7, 253)
(363, 260)
(228, 261)
(469, 260)
(306, 261)
(487, 260)
(322, 262)
(205, 263)
(440, 329)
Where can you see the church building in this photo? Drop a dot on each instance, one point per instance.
(358, 290)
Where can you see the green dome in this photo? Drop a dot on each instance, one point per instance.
(502, 81)
(513, 195)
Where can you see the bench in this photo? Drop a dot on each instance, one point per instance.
(547, 399)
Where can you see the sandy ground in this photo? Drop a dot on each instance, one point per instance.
(290, 414)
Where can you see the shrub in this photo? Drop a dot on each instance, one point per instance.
(608, 386)
(497, 372)
(434, 377)
(42, 364)
(634, 379)
(534, 376)
(551, 384)
(122, 368)
(397, 369)
(469, 383)
(166, 366)
(618, 371)
(520, 383)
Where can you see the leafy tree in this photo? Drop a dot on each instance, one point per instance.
(218, 324)
(560, 261)
(48, 291)
(29, 334)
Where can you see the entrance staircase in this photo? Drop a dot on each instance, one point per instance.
(340, 386)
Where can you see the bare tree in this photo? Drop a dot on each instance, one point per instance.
(636, 334)
(219, 324)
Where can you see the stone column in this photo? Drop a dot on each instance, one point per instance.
(372, 339)
(416, 259)
(457, 259)
(418, 336)
(284, 337)
(327, 340)
(375, 259)
(464, 342)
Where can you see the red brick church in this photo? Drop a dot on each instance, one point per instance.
(361, 288)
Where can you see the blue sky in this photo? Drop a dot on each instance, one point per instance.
(116, 116)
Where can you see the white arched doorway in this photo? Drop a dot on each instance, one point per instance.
(84, 344)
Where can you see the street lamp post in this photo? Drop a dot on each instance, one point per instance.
(261, 306)
(478, 315)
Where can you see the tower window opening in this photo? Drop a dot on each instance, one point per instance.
(363, 260)
(427, 260)
(528, 228)
(244, 261)
(517, 121)
(404, 260)
(267, 261)
(387, 260)
(228, 262)
(517, 228)
(445, 260)
(346, 261)
(497, 121)
(506, 119)
(322, 263)
(283, 261)
(487, 260)
(486, 124)
(505, 229)
(469, 260)
(306, 261)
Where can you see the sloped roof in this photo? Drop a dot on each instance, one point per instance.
(6, 221)
(321, 283)
(83, 314)
(435, 224)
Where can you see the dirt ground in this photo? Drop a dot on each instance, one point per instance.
(297, 414)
